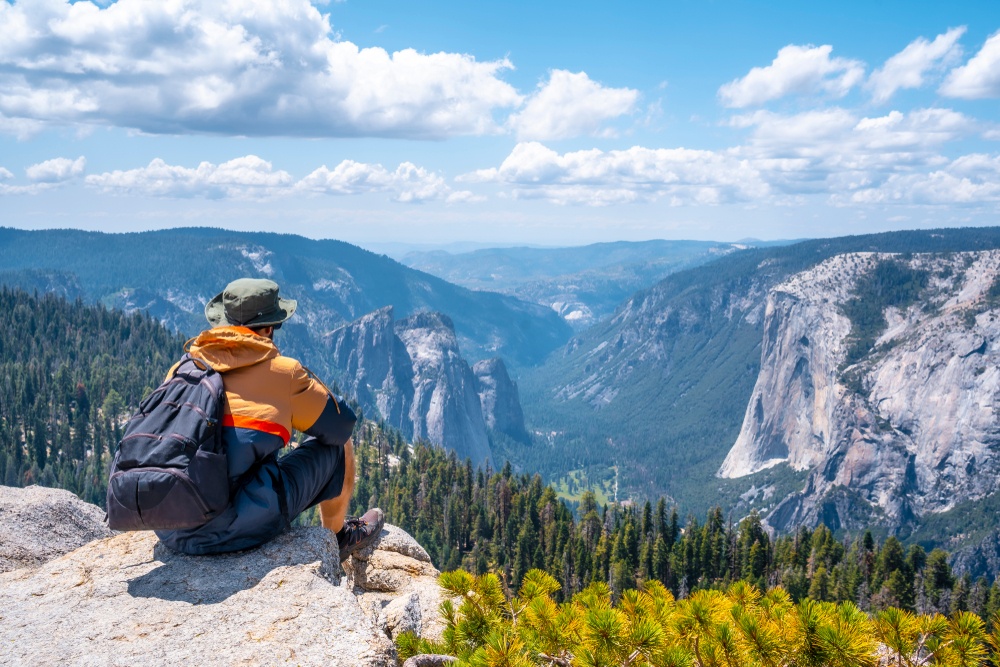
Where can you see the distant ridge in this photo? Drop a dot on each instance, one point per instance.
(172, 273)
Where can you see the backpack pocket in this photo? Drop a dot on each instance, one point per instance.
(167, 498)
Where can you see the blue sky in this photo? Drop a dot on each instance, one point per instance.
(550, 123)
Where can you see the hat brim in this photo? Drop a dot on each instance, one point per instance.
(215, 313)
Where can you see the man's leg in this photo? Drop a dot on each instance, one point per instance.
(314, 474)
(333, 511)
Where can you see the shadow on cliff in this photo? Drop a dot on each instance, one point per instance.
(211, 579)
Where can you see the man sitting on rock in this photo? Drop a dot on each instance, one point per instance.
(268, 395)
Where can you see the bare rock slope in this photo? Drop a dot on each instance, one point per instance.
(38, 524)
(499, 398)
(911, 427)
(127, 600)
(412, 373)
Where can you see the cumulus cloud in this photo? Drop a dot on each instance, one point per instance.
(44, 176)
(971, 179)
(833, 132)
(251, 177)
(247, 177)
(835, 150)
(408, 183)
(598, 178)
(795, 70)
(980, 77)
(237, 67)
(20, 128)
(835, 154)
(56, 170)
(909, 67)
(570, 105)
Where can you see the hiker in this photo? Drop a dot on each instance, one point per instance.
(267, 395)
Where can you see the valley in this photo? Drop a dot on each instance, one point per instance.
(846, 382)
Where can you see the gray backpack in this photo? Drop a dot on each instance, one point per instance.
(170, 470)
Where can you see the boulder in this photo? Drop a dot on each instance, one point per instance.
(396, 583)
(128, 600)
(38, 524)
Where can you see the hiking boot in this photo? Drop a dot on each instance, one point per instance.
(359, 533)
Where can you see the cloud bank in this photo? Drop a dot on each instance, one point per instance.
(234, 68)
(251, 177)
(835, 154)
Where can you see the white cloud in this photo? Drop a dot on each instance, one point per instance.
(839, 137)
(980, 77)
(908, 68)
(796, 69)
(970, 179)
(835, 150)
(570, 105)
(20, 128)
(597, 178)
(56, 170)
(44, 176)
(236, 68)
(247, 177)
(251, 177)
(408, 183)
(832, 154)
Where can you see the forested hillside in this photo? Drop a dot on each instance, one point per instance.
(484, 521)
(69, 374)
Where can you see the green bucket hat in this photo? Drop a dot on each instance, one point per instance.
(249, 302)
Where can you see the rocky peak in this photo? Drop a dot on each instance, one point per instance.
(375, 367)
(412, 373)
(127, 599)
(445, 408)
(907, 428)
(499, 399)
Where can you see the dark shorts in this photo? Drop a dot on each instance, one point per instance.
(264, 506)
(311, 473)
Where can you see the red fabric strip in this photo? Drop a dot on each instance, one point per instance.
(239, 421)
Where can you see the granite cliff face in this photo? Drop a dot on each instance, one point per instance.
(500, 400)
(908, 429)
(375, 367)
(445, 408)
(412, 373)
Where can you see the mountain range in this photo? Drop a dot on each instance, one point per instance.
(172, 273)
(847, 381)
(584, 284)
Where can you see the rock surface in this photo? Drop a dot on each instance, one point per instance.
(127, 600)
(396, 584)
(910, 429)
(374, 366)
(38, 524)
(499, 398)
(412, 373)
